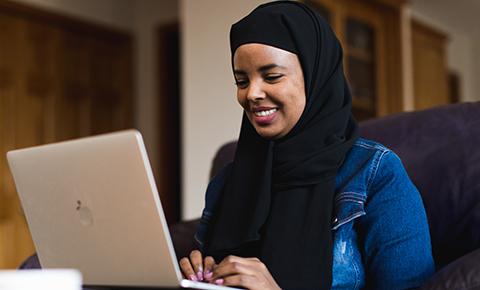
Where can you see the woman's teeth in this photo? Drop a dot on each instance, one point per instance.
(265, 113)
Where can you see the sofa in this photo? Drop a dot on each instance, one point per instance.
(440, 149)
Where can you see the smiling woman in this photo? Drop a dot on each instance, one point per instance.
(270, 88)
(306, 203)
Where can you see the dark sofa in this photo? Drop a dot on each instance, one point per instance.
(440, 149)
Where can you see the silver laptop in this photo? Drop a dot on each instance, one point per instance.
(92, 204)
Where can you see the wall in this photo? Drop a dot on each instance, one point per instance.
(476, 68)
(148, 15)
(211, 115)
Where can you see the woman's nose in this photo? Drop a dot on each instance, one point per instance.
(255, 92)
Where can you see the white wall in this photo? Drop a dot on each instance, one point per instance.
(211, 115)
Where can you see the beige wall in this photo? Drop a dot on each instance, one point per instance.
(211, 115)
(148, 15)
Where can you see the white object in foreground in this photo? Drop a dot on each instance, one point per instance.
(52, 279)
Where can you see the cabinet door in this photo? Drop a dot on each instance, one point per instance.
(25, 92)
(359, 27)
(430, 75)
(72, 105)
(59, 79)
(364, 50)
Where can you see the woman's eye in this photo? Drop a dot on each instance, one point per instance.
(241, 83)
(273, 78)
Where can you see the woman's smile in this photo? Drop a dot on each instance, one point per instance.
(264, 116)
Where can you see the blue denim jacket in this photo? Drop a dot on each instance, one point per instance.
(381, 235)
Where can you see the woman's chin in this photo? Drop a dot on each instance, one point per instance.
(268, 133)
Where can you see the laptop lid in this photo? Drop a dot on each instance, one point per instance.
(92, 204)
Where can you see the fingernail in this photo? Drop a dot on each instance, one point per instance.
(200, 276)
(193, 277)
(208, 275)
(219, 281)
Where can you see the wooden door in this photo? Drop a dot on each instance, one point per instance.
(169, 116)
(59, 79)
(14, 237)
(430, 73)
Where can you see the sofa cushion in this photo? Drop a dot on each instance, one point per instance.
(440, 149)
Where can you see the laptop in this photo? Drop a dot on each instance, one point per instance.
(92, 204)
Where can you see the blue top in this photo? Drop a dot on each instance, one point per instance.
(380, 229)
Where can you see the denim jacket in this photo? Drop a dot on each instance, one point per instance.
(380, 229)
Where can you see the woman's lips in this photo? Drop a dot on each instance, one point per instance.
(264, 116)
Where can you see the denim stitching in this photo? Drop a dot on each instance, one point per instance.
(375, 166)
(351, 196)
(348, 219)
(355, 268)
(371, 146)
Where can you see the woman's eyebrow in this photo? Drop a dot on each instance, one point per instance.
(268, 67)
(239, 72)
(262, 69)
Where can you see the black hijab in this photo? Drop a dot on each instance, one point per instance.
(277, 203)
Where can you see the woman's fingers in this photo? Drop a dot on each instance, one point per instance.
(208, 264)
(248, 273)
(232, 265)
(197, 263)
(244, 281)
(187, 269)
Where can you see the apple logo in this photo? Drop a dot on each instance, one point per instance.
(85, 214)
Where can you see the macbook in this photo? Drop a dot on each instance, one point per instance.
(92, 204)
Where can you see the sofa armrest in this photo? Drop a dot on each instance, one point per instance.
(461, 274)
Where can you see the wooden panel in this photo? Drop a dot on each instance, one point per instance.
(72, 105)
(429, 67)
(111, 88)
(15, 241)
(59, 79)
(38, 84)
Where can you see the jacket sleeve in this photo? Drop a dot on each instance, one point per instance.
(212, 196)
(395, 233)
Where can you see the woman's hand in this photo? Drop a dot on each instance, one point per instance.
(248, 273)
(196, 268)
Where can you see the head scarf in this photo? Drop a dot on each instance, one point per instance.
(277, 203)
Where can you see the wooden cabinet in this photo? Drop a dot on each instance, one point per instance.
(370, 32)
(59, 79)
(392, 62)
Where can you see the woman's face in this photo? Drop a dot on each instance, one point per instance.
(270, 88)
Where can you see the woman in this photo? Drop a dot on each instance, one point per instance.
(306, 204)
